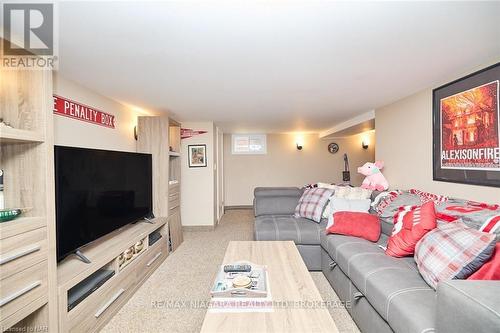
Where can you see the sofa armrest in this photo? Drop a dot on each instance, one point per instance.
(468, 306)
(276, 200)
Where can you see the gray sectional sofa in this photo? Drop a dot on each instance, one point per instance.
(382, 293)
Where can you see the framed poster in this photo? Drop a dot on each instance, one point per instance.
(197, 156)
(466, 129)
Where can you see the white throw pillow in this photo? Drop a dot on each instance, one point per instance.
(328, 186)
(347, 192)
(346, 205)
(352, 192)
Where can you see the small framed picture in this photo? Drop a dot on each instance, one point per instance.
(197, 157)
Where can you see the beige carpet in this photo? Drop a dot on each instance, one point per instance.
(173, 299)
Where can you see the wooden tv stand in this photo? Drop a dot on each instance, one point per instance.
(98, 308)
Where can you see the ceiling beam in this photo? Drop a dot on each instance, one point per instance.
(365, 118)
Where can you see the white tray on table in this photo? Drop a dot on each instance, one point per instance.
(226, 298)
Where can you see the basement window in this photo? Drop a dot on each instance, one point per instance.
(249, 144)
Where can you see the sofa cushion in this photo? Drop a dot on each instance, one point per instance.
(281, 228)
(348, 192)
(468, 306)
(453, 251)
(387, 205)
(277, 192)
(312, 203)
(491, 269)
(337, 204)
(393, 286)
(411, 224)
(427, 196)
(333, 243)
(358, 224)
(276, 200)
(481, 216)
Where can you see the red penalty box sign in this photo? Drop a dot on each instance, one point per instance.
(69, 108)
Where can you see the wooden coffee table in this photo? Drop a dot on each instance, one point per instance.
(290, 282)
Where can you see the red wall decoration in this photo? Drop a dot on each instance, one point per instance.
(69, 108)
(188, 133)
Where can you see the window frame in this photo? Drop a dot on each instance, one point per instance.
(261, 137)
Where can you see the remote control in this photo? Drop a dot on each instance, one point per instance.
(237, 268)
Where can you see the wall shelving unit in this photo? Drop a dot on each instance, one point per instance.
(174, 170)
(160, 136)
(27, 244)
(34, 287)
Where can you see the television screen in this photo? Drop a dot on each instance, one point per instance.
(98, 191)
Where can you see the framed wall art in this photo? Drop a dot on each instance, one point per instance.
(197, 156)
(466, 129)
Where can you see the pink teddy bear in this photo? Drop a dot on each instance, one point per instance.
(374, 179)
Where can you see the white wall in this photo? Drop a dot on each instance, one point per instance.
(197, 184)
(76, 133)
(404, 141)
(284, 165)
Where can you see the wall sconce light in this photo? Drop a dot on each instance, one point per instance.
(299, 142)
(365, 143)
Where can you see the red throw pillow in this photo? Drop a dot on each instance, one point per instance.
(411, 223)
(491, 269)
(356, 224)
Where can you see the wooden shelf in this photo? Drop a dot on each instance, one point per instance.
(14, 135)
(174, 154)
(21, 225)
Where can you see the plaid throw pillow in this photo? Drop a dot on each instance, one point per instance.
(452, 251)
(312, 203)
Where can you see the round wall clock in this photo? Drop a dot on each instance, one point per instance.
(333, 148)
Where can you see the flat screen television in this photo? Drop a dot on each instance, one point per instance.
(98, 191)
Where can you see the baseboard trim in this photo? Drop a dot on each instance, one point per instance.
(198, 228)
(238, 207)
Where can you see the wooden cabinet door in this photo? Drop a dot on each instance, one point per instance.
(175, 226)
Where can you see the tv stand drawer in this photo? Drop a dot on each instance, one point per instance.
(99, 307)
(153, 257)
(18, 291)
(22, 251)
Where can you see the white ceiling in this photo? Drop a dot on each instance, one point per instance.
(270, 65)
